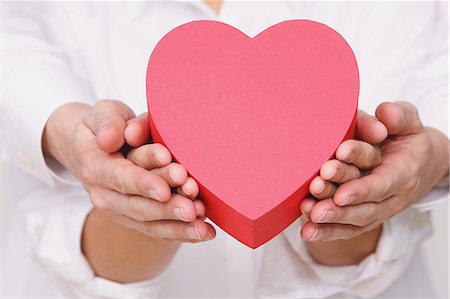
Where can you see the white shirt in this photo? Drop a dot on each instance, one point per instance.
(55, 52)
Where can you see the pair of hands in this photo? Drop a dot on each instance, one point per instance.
(379, 175)
(394, 163)
(134, 191)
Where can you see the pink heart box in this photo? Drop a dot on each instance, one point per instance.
(252, 119)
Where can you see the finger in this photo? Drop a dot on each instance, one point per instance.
(150, 156)
(331, 232)
(170, 230)
(174, 174)
(198, 230)
(370, 129)
(144, 209)
(325, 211)
(200, 208)
(399, 118)
(122, 175)
(338, 172)
(375, 187)
(306, 206)
(189, 189)
(321, 188)
(108, 121)
(137, 131)
(359, 153)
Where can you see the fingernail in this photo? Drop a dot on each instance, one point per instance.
(173, 175)
(318, 235)
(326, 216)
(183, 187)
(348, 200)
(192, 233)
(180, 214)
(153, 194)
(330, 172)
(320, 185)
(209, 235)
(346, 153)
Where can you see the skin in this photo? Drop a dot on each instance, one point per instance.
(214, 5)
(127, 194)
(137, 224)
(395, 163)
(145, 231)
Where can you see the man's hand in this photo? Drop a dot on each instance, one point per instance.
(137, 191)
(377, 182)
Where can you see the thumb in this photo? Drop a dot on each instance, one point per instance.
(400, 118)
(108, 121)
(370, 129)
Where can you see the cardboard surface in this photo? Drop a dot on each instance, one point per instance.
(252, 119)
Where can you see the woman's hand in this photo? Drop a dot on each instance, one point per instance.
(134, 192)
(377, 181)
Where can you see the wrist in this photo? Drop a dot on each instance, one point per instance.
(59, 129)
(344, 252)
(440, 150)
(121, 254)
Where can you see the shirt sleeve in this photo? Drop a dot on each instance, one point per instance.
(402, 58)
(406, 58)
(428, 90)
(299, 276)
(40, 73)
(55, 227)
(38, 76)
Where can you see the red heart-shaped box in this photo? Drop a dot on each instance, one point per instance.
(252, 119)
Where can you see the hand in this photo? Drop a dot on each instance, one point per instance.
(407, 164)
(86, 140)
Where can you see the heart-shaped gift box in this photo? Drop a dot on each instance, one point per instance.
(252, 119)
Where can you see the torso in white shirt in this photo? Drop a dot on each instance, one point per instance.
(108, 45)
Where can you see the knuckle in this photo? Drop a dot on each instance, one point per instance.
(167, 209)
(372, 158)
(369, 214)
(102, 103)
(384, 184)
(414, 110)
(118, 178)
(108, 102)
(118, 182)
(356, 173)
(326, 234)
(411, 183)
(136, 209)
(98, 201)
(86, 174)
(397, 206)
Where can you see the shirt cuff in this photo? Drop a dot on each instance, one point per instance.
(434, 198)
(400, 236)
(56, 233)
